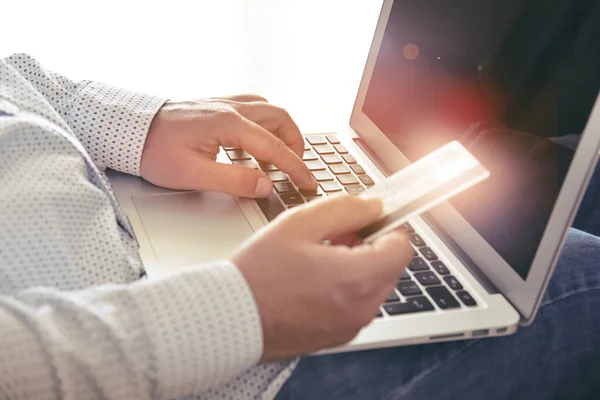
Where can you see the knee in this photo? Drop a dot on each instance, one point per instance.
(578, 266)
(581, 250)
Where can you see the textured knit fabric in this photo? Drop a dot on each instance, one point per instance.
(76, 322)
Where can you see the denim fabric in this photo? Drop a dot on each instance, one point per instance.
(557, 357)
(588, 216)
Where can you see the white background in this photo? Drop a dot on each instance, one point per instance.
(305, 55)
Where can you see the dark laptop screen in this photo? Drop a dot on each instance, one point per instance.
(513, 80)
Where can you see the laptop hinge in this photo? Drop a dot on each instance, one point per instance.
(373, 157)
(436, 227)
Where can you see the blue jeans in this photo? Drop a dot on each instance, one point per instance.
(557, 357)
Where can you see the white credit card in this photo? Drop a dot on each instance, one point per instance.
(423, 185)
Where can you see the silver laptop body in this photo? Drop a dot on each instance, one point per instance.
(179, 230)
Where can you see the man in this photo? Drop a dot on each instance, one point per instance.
(76, 320)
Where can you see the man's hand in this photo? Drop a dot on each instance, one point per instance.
(184, 139)
(311, 295)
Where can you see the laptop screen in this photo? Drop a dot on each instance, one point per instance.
(513, 80)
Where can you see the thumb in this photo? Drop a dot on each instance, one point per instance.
(232, 179)
(381, 262)
(335, 216)
(392, 253)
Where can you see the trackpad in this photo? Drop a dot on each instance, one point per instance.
(191, 228)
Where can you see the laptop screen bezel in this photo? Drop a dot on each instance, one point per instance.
(524, 295)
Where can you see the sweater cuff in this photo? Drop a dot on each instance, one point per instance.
(204, 327)
(112, 124)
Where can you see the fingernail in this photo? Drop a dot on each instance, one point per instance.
(263, 187)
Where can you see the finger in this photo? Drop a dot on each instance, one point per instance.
(368, 270)
(266, 147)
(346, 239)
(237, 180)
(246, 98)
(276, 120)
(335, 216)
(386, 257)
(381, 297)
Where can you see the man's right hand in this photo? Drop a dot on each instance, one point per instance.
(311, 295)
(185, 138)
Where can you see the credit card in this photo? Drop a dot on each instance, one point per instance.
(422, 185)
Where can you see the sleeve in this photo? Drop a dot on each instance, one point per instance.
(63, 337)
(152, 339)
(111, 123)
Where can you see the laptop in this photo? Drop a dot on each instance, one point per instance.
(483, 73)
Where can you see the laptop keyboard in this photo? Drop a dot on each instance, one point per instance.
(426, 284)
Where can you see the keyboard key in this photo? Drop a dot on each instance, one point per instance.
(408, 228)
(453, 282)
(277, 176)
(311, 193)
(331, 159)
(322, 176)
(427, 278)
(466, 298)
(323, 149)
(238, 154)
(309, 155)
(442, 297)
(366, 179)
(315, 165)
(392, 297)
(354, 189)
(307, 145)
(428, 253)
(270, 206)
(421, 303)
(358, 170)
(339, 169)
(268, 167)
(404, 276)
(408, 288)
(418, 264)
(349, 159)
(440, 267)
(347, 179)
(340, 148)
(379, 314)
(284, 187)
(246, 163)
(315, 140)
(417, 240)
(415, 254)
(292, 198)
(332, 139)
(330, 186)
(413, 304)
(313, 198)
(231, 148)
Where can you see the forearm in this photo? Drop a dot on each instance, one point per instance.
(60, 229)
(111, 123)
(152, 339)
